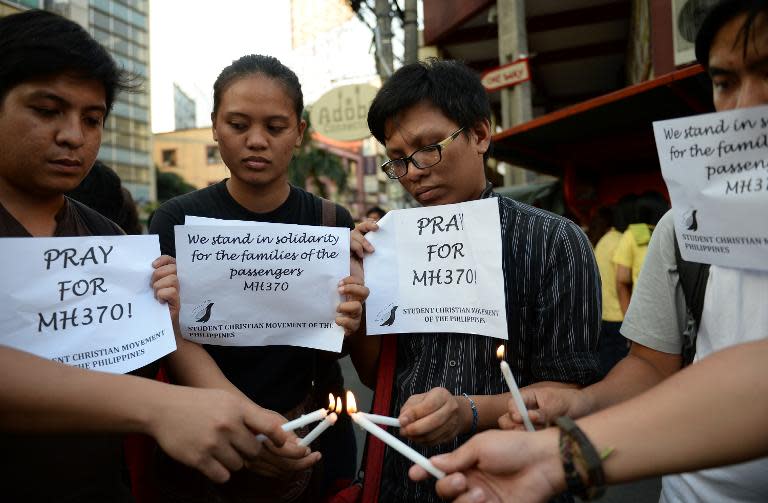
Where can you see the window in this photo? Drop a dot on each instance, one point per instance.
(169, 157)
(212, 154)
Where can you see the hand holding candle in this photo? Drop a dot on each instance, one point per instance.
(304, 420)
(326, 423)
(388, 439)
(516, 396)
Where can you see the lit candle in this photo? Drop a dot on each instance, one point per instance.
(326, 423)
(366, 424)
(382, 420)
(516, 396)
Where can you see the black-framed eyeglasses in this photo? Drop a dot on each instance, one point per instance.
(423, 158)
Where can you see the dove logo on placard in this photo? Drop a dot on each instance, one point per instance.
(202, 312)
(689, 219)
(386, 317)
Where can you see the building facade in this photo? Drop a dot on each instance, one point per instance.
(190, 153)
(184, 109)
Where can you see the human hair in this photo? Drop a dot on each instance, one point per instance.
(100, 190)
(259, 64)
(451, 86)
(38, 44)
(719, 15)
(375, 209)
(651, 206)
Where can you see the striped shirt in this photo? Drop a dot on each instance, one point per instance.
(552, 288)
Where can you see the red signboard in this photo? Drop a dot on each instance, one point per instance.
(507, 75)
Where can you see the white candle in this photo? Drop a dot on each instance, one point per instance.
(396, 444)
(326, 423)
(383, 420)
(516, 396)
(304, 420)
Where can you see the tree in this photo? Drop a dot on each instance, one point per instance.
(317, 166)
(170, 185)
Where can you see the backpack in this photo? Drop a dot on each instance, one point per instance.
(693, 279)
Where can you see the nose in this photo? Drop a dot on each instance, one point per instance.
(70, 132)
(753, 92)
(256, 139)
(415, 174)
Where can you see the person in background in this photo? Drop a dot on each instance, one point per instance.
(629, 254)
(612, 346)
(375, 213)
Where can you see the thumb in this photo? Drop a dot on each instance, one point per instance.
(262, 421)
(461, 459)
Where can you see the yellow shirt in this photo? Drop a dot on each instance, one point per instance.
(604, 251)
(632, 249)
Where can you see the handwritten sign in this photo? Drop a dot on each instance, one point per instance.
(437, 269)
(84, 301)
(261, 284)
(716, 169)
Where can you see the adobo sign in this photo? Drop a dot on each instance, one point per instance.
(341, 113)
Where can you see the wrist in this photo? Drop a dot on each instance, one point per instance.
(465, 413)
(546, 450)
(587, 403)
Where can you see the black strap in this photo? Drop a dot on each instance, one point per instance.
(693, 280)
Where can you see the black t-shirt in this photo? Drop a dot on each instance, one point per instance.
(82, 468)
(275, 377)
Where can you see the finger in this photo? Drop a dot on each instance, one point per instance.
(459, 460)
(213, 470)
(351, 280)
(354, 292)
(226, 454)
(406, 417)
(163, 260)
(474, 495)
(268, 423)
(366, 226)
(350, 308)
(452, 486)
(167, 295)
(536, 416)
(297, 465)
(529, 398)
(263, 467)
(417, 473)
(163, 271)
(167, 282)
(429, 403)
(432, 426)
(290, 450)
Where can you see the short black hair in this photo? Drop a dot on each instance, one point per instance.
(376, 209)
(37, 44)
(451, 86)
(258, 64)
(719, 15)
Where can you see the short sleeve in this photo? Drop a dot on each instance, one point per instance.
(657, 314)
(165, 218)
(624, 254)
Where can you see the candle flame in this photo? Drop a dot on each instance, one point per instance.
(331, 401)
(339, 408)
(351, 403)
(500, 352)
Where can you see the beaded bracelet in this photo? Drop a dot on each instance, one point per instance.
(472, 405)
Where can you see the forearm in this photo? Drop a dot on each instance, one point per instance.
(191, 365)
(631, 376)
(38, 395)
(624, 291)
(727, 393)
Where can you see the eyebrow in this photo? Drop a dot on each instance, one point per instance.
(64, 103)
(232, 114)
(418, 139)
(760, 63)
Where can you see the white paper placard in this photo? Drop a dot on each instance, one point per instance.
(716, 169)
(261, 284)
(84, 301)
(437, 269)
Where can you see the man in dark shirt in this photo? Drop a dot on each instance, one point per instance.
(434, 120)
(60, 426)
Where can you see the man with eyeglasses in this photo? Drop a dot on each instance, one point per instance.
(434, 120)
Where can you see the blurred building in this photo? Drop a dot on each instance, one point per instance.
(601, 71)
(190, 153)
(123, 28)
(184, 109)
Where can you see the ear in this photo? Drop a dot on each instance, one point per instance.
(301, 127)
(213, 128)
(482, 135)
